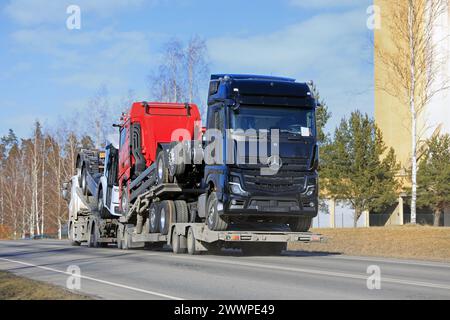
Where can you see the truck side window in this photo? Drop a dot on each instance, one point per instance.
(123, 136)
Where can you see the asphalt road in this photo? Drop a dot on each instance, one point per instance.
(109, 273)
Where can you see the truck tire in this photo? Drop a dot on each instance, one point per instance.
(94, 235)
(177, 245)
(101, 206)
(177, 163)
(301, 224)
(213, 220)
(182, 213)
(153, 216)
(84, 188)
(191, 247)
(166, 215)
(162, 172)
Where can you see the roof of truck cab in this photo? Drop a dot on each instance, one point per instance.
(250, 77)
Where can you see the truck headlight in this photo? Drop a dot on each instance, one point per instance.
(310, 191)
(236, 188)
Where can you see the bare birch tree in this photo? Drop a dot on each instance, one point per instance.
(182, 72)
(412, 64)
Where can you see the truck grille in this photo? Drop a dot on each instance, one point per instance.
(284, 180)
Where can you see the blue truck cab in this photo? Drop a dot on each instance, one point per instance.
(245, 108)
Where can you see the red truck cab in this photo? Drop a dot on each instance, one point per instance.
(144, 129)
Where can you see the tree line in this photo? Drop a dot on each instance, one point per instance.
(32, 171)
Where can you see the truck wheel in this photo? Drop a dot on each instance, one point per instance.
(83, 181)
(162, 172)
(93, 237)
(181, 209)
(213, 220)
(166, 215)
(153, 215)
(100, 205)
(79, 176)
(177, 245)
(301, 224)
(72, 236)
(191, 248)
(177, 163)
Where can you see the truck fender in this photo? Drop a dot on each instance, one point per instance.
(215, 180)
(202, 205)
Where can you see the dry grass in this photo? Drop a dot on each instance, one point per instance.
(410, 242)
(13, 287)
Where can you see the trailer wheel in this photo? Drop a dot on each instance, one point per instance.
(301, 224)
(162, 172)
(191, 247)
(153, 215)
(93, 236)
(166, 215)
(181, 209)
(177, 245)
(213, 220)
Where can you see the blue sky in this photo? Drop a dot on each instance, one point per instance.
(48, 72)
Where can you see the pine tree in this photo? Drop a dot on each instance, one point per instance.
(434, 176)
(322, 116)
(356, 167)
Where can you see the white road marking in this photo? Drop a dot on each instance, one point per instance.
(96, 280)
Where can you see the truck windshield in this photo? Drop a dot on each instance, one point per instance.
(292, 120)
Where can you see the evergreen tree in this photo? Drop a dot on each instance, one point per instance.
(434, 176)
(322, 116)
(356, 167)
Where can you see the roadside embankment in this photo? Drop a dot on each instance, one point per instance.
(13, 287)
(408, 242)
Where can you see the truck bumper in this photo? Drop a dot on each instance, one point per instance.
(270, 206)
